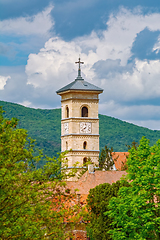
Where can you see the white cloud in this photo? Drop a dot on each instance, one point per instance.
(38, 24)
(116, 42)
(141, 115)
(54, 66)
(130, 112)
(157, 46)
(3, 81)
(54, 63)
(26, 103)
(142, 83)
(15, 89)
(151, 124)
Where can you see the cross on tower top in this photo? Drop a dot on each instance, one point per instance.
(79, 69)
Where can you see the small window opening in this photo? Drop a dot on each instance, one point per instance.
(67, 112)
(84, 145)
(66, 145)
(66, 162)
(84, 112)
(84, 160)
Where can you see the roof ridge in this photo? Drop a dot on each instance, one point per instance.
(79, 84)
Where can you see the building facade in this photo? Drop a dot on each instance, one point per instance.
(79, 121)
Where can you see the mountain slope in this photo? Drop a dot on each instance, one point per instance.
(44, 126)
(117, 134)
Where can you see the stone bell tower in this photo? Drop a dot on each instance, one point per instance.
(80, 122)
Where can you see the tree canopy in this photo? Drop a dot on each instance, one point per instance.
(34, 203)
(136, 210)
(97, 203)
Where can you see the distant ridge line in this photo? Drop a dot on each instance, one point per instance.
(44, 125)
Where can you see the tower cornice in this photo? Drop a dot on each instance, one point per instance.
(83, 151)
(79, 118)
(80, 134)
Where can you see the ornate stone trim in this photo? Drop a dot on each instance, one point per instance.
(83, 153)
(84, 150)
(79, 118)
(80, 135)
(95, 100)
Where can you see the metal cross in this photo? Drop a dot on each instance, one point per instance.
(79, 70)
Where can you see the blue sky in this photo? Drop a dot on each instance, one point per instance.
(119, 41)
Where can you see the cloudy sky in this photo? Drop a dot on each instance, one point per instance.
(119, 41)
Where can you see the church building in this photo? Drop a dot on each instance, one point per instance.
(80, 132)
(79, 120)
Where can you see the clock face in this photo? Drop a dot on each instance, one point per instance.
(85, 127)
(66, 128)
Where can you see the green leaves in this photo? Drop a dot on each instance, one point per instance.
(33, 202)
(97, 204)
(136, 210)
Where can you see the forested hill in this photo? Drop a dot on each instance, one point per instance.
(44, 126)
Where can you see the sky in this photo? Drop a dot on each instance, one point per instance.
(119, 42)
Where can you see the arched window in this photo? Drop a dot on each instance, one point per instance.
(84, 112)
(66, 145)
(85, 145)
(84, 160)
(67, 112)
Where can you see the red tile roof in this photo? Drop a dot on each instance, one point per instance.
(120, 159)
(91, 180)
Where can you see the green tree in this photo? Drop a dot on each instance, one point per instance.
(97, 203)
(136, 210)
(105, 160)
(34, 203)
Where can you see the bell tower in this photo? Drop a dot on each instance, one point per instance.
(79, 120)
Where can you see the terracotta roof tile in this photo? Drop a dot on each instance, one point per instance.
(91, 180)
(120, 159)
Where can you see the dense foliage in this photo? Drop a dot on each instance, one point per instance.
(97, 203)
(136, 210)
(119, 134)
(34, 203)
(44, 125)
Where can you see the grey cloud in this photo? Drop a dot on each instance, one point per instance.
(141, 112)
(7, 51)
(151, 124)
(15, 89)
(17, 8)
(150, 101)
(4, 49)
(18, 91)
(142, 47)
(134, 113)
(110, 67)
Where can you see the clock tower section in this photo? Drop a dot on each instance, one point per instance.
(80, 122)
